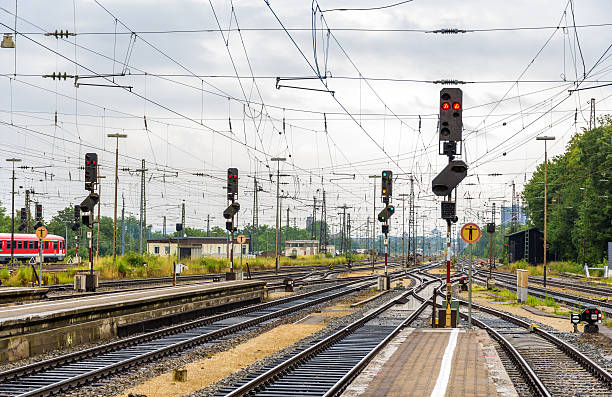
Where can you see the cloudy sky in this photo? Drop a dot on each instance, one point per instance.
(193, 85)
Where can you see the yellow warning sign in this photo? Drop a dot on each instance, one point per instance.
(471, 233)
(41, 232)
(241, 239)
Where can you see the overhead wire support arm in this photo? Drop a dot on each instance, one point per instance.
(279, 86)
(448, 31)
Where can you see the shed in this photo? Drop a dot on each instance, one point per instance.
(527, 244)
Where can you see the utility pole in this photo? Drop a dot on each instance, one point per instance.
(13, 161)
(164, 227)
(143, 206)
(403, 195)
(287, 230)
(278, 160)
(412, 225)
(313, 231)
(592, 120)
(123, 225)
(343, 228)
(208, 225)
(323, 227)
(183, 218)
(374, 220)
(546, 139)
(255, 214)
(99, 206)
(514, 220)
(348, 232)
(116, 136)
(28, 216)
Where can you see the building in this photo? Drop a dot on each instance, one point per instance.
(194, 247)
(527, 244)
(304, 247)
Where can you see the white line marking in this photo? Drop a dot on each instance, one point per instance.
(445, 367)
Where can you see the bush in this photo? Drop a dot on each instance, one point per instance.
(133, 259)
(4, 274)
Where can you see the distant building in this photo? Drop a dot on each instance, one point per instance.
(527, 244)
(506, 215)
(308, 222)
(305, 247)
(194, 247)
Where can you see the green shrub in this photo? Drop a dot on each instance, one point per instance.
(4, 274)
(123, 269)
(133, 259)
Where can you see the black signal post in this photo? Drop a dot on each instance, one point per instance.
(386, 190)
(450, 132)
(232, 210)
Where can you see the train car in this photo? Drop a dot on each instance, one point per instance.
(26, 247)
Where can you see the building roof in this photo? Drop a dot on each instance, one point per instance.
(302, 241)
(193, 240)
(522, 231)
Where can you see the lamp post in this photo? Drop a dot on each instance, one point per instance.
(116, 136)
(545, 139)
(13, 161)
(278, 160)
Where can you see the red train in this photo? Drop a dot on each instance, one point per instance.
(26, 247)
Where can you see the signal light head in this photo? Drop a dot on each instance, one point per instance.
(456, 106)
(445, 105)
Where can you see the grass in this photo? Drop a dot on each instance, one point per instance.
(133, 265)
(554, 268)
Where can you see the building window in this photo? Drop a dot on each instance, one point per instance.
(156, 250)
(167, 250)
(218, 250)
(243, 250)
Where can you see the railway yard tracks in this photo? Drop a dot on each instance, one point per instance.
(84, 367)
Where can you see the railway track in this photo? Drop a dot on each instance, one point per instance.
(66, 372)
(551, 366)
(601, 291)
(571, 300)
(328, 366)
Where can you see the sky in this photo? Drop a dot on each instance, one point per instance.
(194, 85)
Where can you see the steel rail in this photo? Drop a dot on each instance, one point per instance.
(115, 367)
(304, 356)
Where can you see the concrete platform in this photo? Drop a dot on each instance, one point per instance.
(21, 294)
(435, 362)
(34, 328)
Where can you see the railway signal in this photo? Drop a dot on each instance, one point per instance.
(451, 114)
(91, 170)
(386, 186)
(24, 219)
(77, 218)
(448, 179)
(232, 183)
(90, 202)
(385, 214)
(39, 212)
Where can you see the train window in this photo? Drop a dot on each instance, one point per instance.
(1, 244)
(36, 244)
(46, 245)
(19, 244)
(61, 245)
(31, 244)
(55, 245)
(8, 245)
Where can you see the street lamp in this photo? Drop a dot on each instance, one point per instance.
(545, 139)
(116, 136)
(278, 160)
(13, 161)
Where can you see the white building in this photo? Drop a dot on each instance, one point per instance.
(304, 248)
(194, 247)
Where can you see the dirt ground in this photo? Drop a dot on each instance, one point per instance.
(207, 371)
(360, 273)
(561, 324)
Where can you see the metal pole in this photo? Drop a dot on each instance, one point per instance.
(40, 257)
(278, 160)
(116, 136)
(545, 138)
(470, 291)
(545, 206)
(13, 161)
(449, 287)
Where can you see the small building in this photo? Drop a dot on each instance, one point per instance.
(527, 244)
(195, 247)
(305, 247)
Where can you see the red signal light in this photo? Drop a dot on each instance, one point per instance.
(456, 106)
(445, 105)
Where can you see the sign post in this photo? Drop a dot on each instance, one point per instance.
(41, 233)
(241, 240)
(470, 233)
